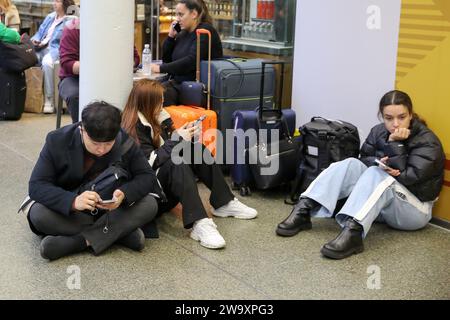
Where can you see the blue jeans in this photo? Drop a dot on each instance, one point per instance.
(372, 195)
(48, 65)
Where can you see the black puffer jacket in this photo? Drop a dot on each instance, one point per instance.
(420, 158)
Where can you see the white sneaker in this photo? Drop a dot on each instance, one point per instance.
(205, 231)
(236, 209)
(48, 106)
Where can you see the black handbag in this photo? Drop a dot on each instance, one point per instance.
(325, 141)
(111, 178)
(17, 57)
(106, 182)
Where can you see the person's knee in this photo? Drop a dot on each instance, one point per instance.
(47, 63)
(352, 161)
(39, 216)
(69, 92)
(146, 209)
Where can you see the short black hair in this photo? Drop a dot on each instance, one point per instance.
(101, 121)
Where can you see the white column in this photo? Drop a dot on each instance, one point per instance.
(106, 51)
(344, 59)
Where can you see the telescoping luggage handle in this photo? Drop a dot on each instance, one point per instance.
(199, 33)
(280, 94)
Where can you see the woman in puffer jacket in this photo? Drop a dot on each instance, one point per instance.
(150, 125)
(401, 195)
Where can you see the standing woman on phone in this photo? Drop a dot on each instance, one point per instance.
(179, 49)
(401, 196)
(145, 120)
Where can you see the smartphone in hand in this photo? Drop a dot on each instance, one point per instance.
(108, 201)
(383, 165)
(177, 27)
(197, 122)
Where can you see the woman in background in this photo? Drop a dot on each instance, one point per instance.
(9, 15)
(180, 47)
(46, 42)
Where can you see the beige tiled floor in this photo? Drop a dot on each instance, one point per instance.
(256, 264)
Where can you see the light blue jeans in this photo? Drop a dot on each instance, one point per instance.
(372, 195)
(48, 65)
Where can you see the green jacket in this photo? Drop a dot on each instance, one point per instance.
(9, 35)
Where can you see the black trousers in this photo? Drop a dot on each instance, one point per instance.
(120, 222)
(180, 185)
(69, 90)
(171, 93)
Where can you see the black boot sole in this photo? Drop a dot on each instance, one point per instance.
(341, 255)
(292, 232)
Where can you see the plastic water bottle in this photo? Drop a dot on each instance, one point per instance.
(147, 60)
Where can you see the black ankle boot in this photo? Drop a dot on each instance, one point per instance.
(299, 219)
(348, 242)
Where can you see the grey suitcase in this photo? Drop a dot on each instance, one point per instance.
(235, 86)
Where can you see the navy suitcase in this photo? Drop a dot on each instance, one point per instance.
(269, 119)
(233, 87)
(13, 90)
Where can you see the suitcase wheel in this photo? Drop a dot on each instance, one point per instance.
(245, 191)
(235, 186)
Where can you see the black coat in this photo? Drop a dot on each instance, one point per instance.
(157, 155)
(59, 170)
(179, 54)
(420, 158)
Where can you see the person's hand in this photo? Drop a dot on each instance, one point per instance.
(118, 195)
(88, 200)
(172, 31)
(35, 42)
(155, 68)
(399, 134)
(76, 67)
(188, 130)
(392, 172)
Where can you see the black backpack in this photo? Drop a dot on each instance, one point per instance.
(324, 141)
(17, 57)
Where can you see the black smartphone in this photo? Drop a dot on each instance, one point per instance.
(177, 27)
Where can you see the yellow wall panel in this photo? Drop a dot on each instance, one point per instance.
(423, 71)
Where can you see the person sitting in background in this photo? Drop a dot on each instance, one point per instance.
(401, 195)
(9, 15)
(46, 42)
(150, 125)
(70, 67)
(9, 35)
(72, 221)
(180, 48)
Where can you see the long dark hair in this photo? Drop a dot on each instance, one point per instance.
(397, 97)
(200, 7)
(145, 97)
(66, 4)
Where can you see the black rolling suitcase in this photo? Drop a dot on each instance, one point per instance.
(235, 86)
(13, 90)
